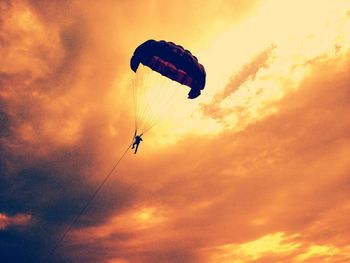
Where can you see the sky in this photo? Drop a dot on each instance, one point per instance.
(256, 169)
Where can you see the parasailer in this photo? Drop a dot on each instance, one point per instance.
(166, 62)
(137, 141)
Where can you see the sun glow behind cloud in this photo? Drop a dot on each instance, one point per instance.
(291, 42)
(295, 41)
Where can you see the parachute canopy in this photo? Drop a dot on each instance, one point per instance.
(173, 62)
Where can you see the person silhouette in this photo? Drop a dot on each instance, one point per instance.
(137, 141)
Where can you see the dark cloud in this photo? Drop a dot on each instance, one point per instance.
(43, 93)
(171, 253)
(53, 191)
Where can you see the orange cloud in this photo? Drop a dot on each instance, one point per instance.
(14, 221)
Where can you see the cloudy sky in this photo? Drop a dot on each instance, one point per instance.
(257, 169)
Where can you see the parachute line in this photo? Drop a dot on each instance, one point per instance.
(81, 212)
(152, 94)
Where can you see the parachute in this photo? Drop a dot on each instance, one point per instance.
(156, 63)
(172, 61)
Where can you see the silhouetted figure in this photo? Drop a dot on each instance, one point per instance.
(136, 143)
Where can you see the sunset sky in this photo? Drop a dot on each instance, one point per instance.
(256, 169)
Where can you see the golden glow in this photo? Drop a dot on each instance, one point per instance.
(148, 217)
(316, 251)
(117, 261)
(273, 243)
(297, 40)
(267, 243)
